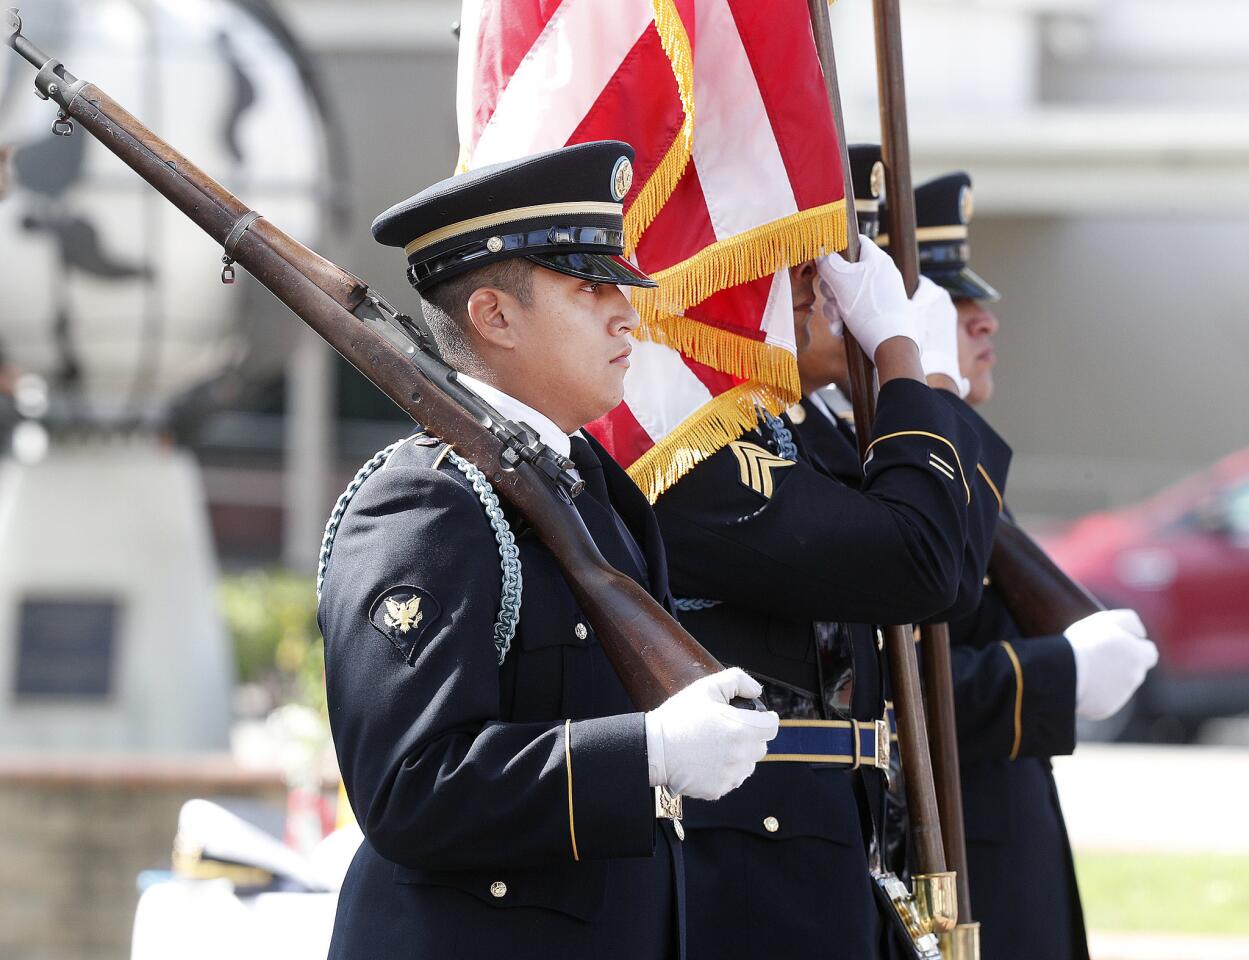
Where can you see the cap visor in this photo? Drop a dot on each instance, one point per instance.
(602, 267)
(965, 283)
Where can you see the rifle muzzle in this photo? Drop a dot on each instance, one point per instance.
(53, 82)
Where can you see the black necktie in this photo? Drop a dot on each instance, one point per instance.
(591, 470)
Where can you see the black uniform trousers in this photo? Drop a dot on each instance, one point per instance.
(506, 809)
(1015, 700)
(782, 548)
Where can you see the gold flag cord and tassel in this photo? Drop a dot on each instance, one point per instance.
(718, 422)
(664, 178)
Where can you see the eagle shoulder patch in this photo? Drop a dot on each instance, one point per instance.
(402, 614)
(755, 466)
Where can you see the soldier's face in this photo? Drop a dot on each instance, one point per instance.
(976, 356)
(572, 347)
(802, 291)
(823, 361)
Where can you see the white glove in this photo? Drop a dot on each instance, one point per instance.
(870, 296)
(698, 745)
(938, 318)
(1112, 657)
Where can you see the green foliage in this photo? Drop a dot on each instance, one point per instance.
(1165, 893)
(272, 619)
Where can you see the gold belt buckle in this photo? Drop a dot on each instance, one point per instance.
(669, 806)
(882, 746)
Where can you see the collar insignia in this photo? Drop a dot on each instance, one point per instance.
(755, 466)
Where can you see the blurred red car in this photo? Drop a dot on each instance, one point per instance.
(1181, 559)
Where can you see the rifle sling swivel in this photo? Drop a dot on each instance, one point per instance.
(241, 226)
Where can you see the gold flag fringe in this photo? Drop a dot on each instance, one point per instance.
(663, 180)
(719, 421)
(744, 257)
(727, 352)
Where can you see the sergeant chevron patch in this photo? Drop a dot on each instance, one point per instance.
(755, 466)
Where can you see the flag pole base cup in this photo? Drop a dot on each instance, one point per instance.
(961, 943)
(937, 898)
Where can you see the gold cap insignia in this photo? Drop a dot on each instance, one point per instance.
(755, 466)
(966, 205)
(876, 180)
(621, 178)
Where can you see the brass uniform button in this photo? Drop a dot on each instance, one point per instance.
(581, 631)
(771, 824)
(880, 639)
(498, 889)
(987, 582)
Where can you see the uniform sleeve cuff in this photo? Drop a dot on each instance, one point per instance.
(1048, 723)
(611, 809)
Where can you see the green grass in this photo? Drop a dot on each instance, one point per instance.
(1165, 893)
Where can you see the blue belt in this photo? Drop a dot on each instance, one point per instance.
(844, 743)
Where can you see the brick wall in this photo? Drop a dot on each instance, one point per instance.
(76, 832)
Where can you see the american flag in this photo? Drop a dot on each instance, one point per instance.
(737, 177)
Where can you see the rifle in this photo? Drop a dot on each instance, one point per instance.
(653, 655)
(932, 910)
(1043, 600)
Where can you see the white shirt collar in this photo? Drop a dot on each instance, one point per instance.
(511, 408)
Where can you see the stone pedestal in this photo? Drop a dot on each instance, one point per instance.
(110, 636)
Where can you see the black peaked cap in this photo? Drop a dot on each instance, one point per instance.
(943, 210)
(867, 174)
(561, 209)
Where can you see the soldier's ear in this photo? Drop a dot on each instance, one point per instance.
(488, 317)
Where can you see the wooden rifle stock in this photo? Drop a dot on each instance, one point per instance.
(654, 656)
(1043, 600)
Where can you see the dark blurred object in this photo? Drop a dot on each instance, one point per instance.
(1181, 559)
(6, 156)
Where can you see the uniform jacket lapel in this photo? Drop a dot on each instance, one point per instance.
(631, 505)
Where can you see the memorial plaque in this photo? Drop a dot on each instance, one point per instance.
(65, 648)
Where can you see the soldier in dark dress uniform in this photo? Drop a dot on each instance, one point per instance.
(779, 567)
(1018, 698)
(505, 785)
